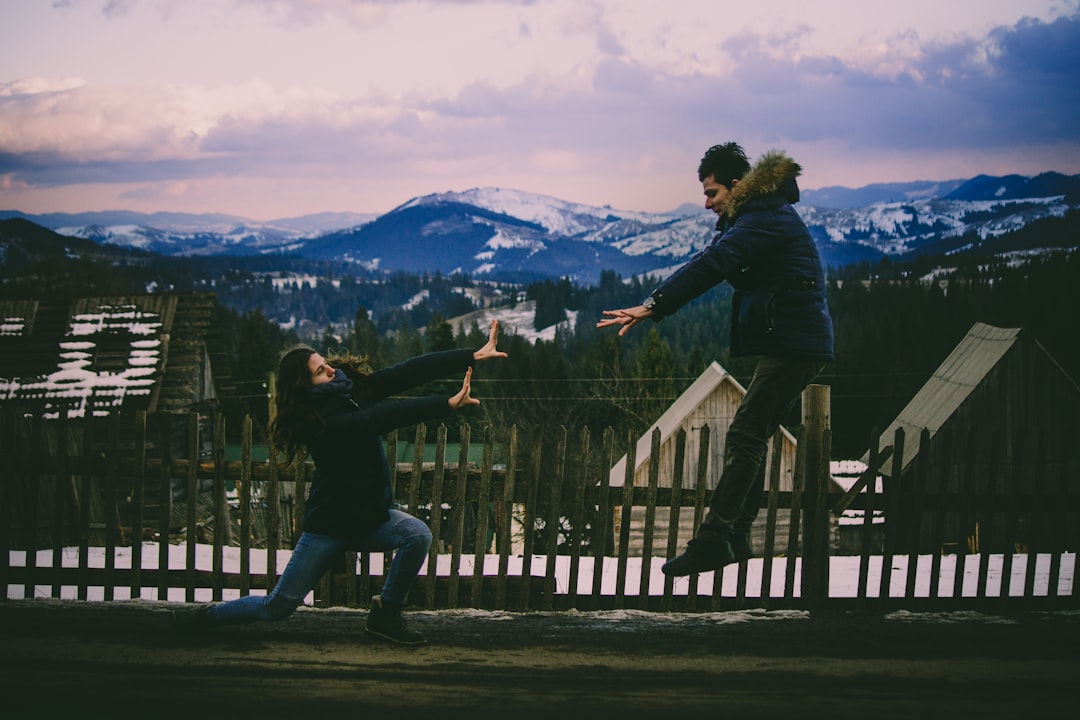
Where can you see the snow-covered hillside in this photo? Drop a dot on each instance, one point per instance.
(514, 235)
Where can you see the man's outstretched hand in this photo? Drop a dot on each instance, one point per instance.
(626, 317)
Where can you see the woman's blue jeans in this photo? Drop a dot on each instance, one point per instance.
(315, 554)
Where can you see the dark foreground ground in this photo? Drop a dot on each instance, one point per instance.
(70, 659)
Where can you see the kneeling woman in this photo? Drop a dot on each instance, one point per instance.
(336, 416)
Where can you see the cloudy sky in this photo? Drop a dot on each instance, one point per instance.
(278, 108)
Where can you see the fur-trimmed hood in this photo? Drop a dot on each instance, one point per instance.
(773, 173)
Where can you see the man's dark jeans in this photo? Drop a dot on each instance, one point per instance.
(777, 384)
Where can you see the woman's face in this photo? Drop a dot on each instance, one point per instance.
(320, 371)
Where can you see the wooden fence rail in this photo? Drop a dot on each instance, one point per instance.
(148, 507)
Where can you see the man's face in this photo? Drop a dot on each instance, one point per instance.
(716, 195)
(321, 372)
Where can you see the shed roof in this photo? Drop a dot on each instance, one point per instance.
(962, 371)
(92, 356)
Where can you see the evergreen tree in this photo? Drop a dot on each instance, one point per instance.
(439, 335)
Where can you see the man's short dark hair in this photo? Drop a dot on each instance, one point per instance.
(724, 163)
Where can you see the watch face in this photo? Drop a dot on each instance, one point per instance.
(649, 302)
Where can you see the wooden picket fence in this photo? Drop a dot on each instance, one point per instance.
(117, 490)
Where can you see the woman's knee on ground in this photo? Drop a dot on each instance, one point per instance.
(280, 606)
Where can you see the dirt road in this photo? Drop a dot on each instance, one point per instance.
(123, 660)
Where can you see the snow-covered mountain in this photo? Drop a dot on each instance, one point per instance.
(510, 234)
(191, 234)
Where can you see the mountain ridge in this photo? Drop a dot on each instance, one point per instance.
(507, 234)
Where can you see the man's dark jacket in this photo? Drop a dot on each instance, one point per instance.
(767, 254)
(350, 489)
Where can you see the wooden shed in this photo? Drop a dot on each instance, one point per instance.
(712, 400)
(1003, 419)
(91, 357)
(77, 364)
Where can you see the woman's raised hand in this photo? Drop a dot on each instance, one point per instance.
(489, 350)
(463, 398)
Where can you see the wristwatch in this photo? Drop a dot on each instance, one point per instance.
(648, 302)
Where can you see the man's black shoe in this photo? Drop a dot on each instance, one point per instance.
(700, 556)
(740, 546)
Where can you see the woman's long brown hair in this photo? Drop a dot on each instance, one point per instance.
(294, 419)
(295, 422)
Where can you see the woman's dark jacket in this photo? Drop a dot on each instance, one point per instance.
(767, 254)
(350, 489)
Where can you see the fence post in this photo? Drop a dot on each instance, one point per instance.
(624, 519)
(191, 504)
(505, 519)
(164, 503)
(815, 570)
(576, 514)
(483, 505)
(603, 516)
(138, 492)
(552, 525)
(222, 528)
(436, 516)
(245, 506)
(650, 521)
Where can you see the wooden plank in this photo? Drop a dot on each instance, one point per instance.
(994, 488)
(413, 493)
(869, 498)
(602, 529)
(60, 483)
(940, 479)
(1015, 479)
(551, 529)
(164, 503)
(409, 488)
(138, 492)
(436, 516)
(244, 493)
(868, 476)
(12, 460)
(650, 521)
(771, 512)
(192, 503)
(505, 519)
(577, 517)
(31, 489)
(391, 452)
(483, 503)
(701, 489)
(893, 523)
(1061, 504)
(915, 512)
(273, 520)
(673, 518)
(350, 578)
(84, 501)
(794, 547)
(985, 522)
(1038, 515)
(112, 524)
(300, 493)
(222, 529)
(457, 515)
(532, 491)
(815, 570)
